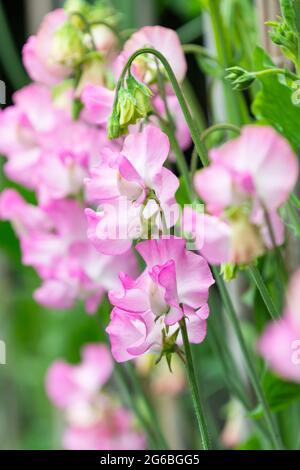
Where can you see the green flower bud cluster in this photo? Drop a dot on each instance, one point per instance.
(286, 31)
(132, 104)
(240, 78)
(284, 37)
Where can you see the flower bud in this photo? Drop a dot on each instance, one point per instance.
(68, 46)
(141, 94)
(240, 78)
(113, 127)
(126, 107)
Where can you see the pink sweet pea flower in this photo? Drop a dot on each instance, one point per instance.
(53, 241)
(67, 384)
(174, 284)
(162, 39)
(243, 183)
(249, 167)
(280, 343)
(37, 57)
(133, 190)
(23, 127)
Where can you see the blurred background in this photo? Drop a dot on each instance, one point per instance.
(34, 336)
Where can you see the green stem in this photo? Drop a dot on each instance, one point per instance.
(268, 301)
(270, 421)
(199, 50)
(194, 388)
(218, 128)
(278, 254)
(293, 216)
(236, 108)
(196, 110)
(275, 71)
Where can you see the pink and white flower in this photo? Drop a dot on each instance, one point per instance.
(37, 56)
(53, 241)
(242, 188)
(134, 191)
(95, 420)
(174, 284)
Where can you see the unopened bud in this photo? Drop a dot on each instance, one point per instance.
(240, 78)
(141, 94)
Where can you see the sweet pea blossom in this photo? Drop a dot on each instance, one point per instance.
(53, 240)
(147, 310)
(280, 343)
(67, 384)
(94, 419)
(134, 191)
(248, 180)
(164, 40)
(38, 51)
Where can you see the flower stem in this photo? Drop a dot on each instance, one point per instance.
(218, 128)
(194, 388)
(270, 421)
(268, 301)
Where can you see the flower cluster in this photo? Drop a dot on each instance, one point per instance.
(95, 419)
(243, 189)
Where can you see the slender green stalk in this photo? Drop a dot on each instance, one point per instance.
(275, 71)
(268, 301)
(219, 127)
(271, 423)
(293, 216)
(199, 50)
(196, 110)
(278, 254)
(194, 388)
(236, 108)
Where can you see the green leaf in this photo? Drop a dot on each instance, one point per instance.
(280, 394)
(273, 104)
